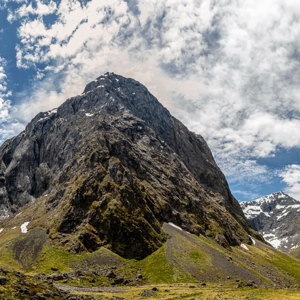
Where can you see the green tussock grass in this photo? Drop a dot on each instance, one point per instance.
(295, 253)
(52, 257)
(197, 255)
(279, 261)
(65, 261)
(286, 263)
(7, 259)
(157, 269)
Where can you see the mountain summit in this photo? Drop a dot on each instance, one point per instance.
(109, 167)
(277, 217)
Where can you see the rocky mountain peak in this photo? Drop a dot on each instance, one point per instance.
(110, 166)
(277, 197)
(109, 81)
(271, 215)
(267, 204)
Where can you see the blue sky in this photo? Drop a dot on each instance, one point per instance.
(228, 69)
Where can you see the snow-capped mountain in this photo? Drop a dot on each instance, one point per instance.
(277, 218)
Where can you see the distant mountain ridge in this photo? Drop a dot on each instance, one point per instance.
(277, 217)
(109, 167)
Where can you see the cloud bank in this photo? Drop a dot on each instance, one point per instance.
(4, 104)
(228, 69)
(8, 126)
(291, 176)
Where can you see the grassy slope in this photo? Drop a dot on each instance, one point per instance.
(184, 258)
(295, 253)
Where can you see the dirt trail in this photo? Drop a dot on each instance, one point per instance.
(109, 289)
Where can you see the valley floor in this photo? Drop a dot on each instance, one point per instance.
(185, 267)
(193, 291)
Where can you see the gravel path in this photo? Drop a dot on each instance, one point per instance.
(72, 289)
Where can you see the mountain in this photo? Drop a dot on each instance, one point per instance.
(109, 176)
(277, 217)
(109, 167)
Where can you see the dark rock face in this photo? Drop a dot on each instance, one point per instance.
(112, 165)
(277, 217)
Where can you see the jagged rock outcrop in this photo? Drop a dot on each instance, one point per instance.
(110, 166)
(277, 217)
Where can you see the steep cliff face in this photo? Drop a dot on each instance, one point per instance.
(110, 166)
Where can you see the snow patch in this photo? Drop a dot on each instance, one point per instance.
(252, 211)
(294, 247)
(281, 195)
(270, 198)
(269, 235)
(275, 243)
(89, 115)
(283, 215)
(175, 226)
(244, 247)
(272, 239)
(295, 206)
(47, 114)
(253, 240)
(51, 112)
(24, 227)
(1, 229)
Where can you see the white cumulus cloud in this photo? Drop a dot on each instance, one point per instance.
(4, 103)
(40, 8)
(8, 126)
(229, 69)
(291, 176)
